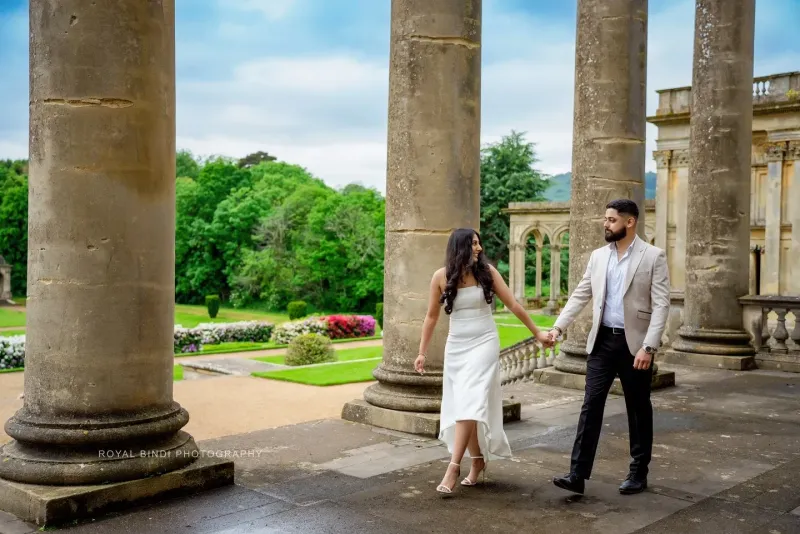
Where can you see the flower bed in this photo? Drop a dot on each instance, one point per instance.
(12, 352)
(333, 326)
(247, 331)
(193, 339)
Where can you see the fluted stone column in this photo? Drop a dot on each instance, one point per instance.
(99, 344)
(662, 158)
(608, 148)
(771, 267)
(793, 155)
(718, 222)
(432, 187)
(538, 290)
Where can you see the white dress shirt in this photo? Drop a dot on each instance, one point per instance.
(613, 311)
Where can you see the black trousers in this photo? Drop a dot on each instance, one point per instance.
(610, 358)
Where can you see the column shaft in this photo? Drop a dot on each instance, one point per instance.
(718, 219)
(608, 149)
(432, 183)
(771, 272)
(793, 155)
(100, 308)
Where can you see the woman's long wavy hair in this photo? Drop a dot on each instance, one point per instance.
(459, 261)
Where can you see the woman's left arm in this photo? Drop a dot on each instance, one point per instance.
(507, 298)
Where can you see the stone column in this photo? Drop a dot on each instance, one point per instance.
(516, 267)
(771, 269)
(718, 231)
(100, 307)
(432, 187)
(608, 150)
(538, 293)
(793, 155)
(662, 158)
(555, 276)
(680, 162)
(752, 288)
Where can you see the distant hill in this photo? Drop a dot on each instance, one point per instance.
(561, 187)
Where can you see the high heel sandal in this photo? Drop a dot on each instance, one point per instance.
(443, 490)
(481, 472)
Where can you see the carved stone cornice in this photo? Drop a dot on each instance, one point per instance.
(662, 158)
(680, 158)
(516, 246)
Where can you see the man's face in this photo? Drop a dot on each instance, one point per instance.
(616, 225)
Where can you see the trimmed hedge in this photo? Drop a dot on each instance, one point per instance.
(309, 349)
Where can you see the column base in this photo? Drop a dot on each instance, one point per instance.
(423, 424)
(716, 361)
(715, 348)
(56, 505)
(63, 466)
(406, 391)
(553, 377)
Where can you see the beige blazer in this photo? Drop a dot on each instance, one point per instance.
(645, 301)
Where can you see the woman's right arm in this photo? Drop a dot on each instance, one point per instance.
(431, 318)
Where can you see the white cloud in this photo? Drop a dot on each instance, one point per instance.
(271, 9)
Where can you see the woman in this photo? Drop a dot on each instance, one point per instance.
(472, 404)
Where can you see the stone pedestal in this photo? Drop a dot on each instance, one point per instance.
(99, 346)
(718, 221)
(432, 183)
(608, 150)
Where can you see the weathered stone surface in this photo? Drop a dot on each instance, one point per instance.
(572, 380)
(53, 505)
(99, 349)
(608, 147)
(432, 183)
(718, 214)
(423, 424)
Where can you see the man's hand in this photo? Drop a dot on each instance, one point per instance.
(642, 360)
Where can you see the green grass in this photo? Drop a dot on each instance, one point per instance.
(342, 355)
(326, 375)
(13, 370)
(11, 317)
(9, 333)
(177, 373)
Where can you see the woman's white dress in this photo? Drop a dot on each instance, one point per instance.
(471, 388)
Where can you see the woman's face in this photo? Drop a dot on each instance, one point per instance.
(476, 248)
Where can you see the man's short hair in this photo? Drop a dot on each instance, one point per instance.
(624, 206)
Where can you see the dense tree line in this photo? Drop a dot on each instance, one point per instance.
(259, 232)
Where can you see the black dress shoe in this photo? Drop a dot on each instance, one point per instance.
(570, 482)
(633, 485)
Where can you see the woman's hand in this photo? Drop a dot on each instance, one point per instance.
(419, 364)
(544, 338)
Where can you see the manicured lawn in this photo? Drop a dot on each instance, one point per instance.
(177, 373)
(344, 355)
(326, 375)
(9, 333)
(190, 316)
(14, 370)
(11, 317)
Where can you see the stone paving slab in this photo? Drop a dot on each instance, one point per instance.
(715, 469)
(232, 366)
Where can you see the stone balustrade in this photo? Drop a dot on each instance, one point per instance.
(773, 323)
(774, 89)
(519, 361)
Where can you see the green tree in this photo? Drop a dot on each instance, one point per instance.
(14, 223)
(186, 166)
(507, 175)
(254, 159)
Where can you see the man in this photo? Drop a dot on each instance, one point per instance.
(629, 282)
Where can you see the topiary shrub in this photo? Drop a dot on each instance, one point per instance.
(212, 303)
(297, 310)
(308, 349)
(379, 314)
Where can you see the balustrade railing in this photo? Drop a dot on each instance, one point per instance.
(519, 361)
(775, 327)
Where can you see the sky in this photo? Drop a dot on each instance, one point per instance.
(307, 80)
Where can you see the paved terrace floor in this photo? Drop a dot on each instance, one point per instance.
(726, 460)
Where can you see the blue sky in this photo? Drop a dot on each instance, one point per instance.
(307, 80)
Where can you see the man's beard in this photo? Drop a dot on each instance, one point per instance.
(612, 237)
